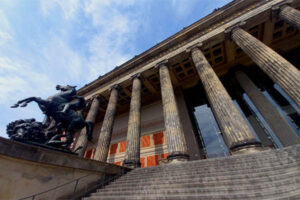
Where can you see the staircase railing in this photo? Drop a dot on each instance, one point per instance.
(77, 191)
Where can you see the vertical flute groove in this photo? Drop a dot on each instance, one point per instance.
(236, 131)
(290, 15)
(132, 155)
(107, 126)
(275, 66)
(173, 128)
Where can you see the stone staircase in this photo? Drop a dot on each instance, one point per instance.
(271, 174)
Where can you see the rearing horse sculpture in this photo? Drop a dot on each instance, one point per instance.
(62, 108)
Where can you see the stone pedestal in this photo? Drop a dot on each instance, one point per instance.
(107, 126)
(173, 128)
(278, 124)
(132, 156)
(82, 140)
(290, 15)
(236, 131)
(276, 67)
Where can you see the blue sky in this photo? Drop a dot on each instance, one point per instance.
(49, 42)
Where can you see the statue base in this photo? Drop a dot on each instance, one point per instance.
(64, 150)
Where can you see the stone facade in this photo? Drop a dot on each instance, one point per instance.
(248, 35)
(227, 84)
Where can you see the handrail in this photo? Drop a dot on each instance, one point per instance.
(102, 184)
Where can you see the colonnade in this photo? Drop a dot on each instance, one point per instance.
(236, 131)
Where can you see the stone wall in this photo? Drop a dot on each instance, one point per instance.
(27, 170)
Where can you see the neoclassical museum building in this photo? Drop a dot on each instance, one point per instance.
(212, 112)
(227, 84)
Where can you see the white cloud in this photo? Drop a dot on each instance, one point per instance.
(6, 32)
(182, 8)
(68, 7)
(111, 45)
(19, 80)
(62, 62)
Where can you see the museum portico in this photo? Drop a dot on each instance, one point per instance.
(233, 69)
(213, 112)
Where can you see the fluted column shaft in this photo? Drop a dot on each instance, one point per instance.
(236, 131)
(173, 128)
(290, 15)
(132, 155)
(276, 67)
(82, 140)
(275, 120)
(107, 126)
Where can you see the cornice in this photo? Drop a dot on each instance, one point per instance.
(206, 24)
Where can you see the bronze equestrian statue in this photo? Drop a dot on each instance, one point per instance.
(62, 109)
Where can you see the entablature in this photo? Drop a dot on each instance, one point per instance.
(219, 50)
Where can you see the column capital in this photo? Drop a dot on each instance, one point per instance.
(275, 10)
(97, 96)
(88, 101)
(197, 45)
(161, 63)
(138, 76)
(117, 87)
(277, 6)
(228, 30)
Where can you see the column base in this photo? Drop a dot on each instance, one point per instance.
(131, 164)
(177, 156)
(248, 148)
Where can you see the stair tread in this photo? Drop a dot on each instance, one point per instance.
(267, 195)
(207, 179)
(201, 185)
(272, 174)
(213, 172)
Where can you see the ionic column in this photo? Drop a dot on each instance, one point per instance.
(132, 155)
(173, 128)
(276, 67)
(82, 140)
(290, 15)
(236, 131)
(107, 126)
(278, 124)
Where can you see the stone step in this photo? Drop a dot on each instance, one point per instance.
(209, 171)
(202, 188)
(272, 174)
(227, 163)
(239, 179)
(216, 168)
(203, 178)
(210, 178)
(250, 172)
(192, 191)
(287, 193)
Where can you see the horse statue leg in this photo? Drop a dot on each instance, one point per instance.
(78, 124)
(24, 102)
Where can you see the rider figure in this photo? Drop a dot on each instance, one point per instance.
(75, 102)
